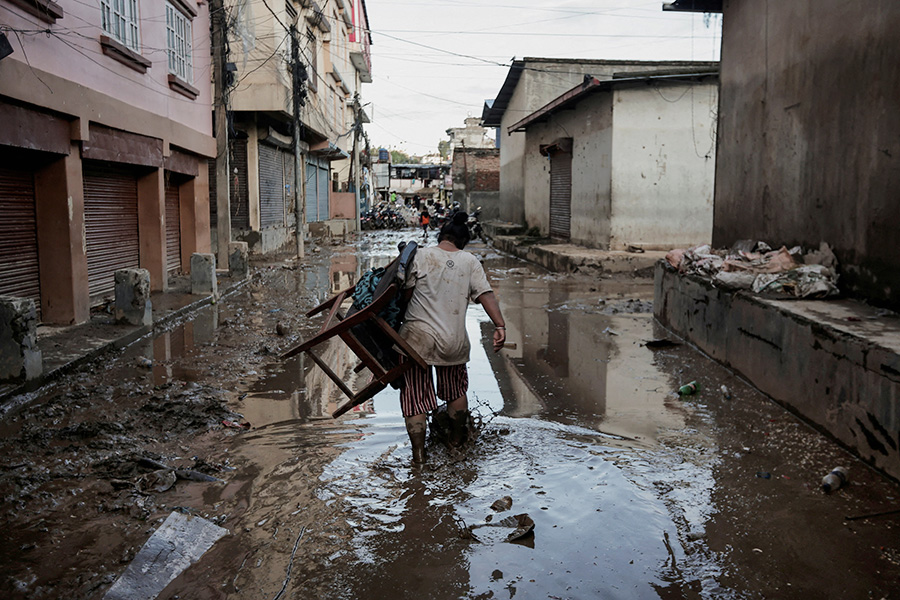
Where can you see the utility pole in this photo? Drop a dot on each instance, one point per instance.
(297, 80)
(223, 176)
(354, 159)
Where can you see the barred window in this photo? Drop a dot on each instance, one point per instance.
(178, 43)
(120, 21)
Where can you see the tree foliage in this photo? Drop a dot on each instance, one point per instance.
(444, 149)
(399, 157)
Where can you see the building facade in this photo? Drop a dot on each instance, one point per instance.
(333, 48)
(623, 162)
(106, 136)
(476, 180)
(808, 134)
(530, 84)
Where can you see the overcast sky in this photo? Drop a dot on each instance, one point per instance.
(435, 62)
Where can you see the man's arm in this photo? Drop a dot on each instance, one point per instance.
(492, 307)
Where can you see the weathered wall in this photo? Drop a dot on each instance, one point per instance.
(808, 146)
(476, 180)
(542, 81)
(590, 127)
(112, 93)
(842, 377)
(663, 165)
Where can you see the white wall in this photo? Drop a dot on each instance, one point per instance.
(663, 165)
(590, 127)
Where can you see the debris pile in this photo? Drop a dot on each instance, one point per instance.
(757, 267)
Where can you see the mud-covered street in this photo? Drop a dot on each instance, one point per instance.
(633, 490)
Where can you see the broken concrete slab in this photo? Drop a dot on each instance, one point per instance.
(20, 357)
(133, 305)
(178, 543)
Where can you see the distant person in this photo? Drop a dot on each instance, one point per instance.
(442, 280)
(425, 221)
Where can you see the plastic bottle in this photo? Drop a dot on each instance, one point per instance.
(834, 480)
(689, 388)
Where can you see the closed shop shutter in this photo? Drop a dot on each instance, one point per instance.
(323, 187)
(288, 187)
(213, 203)
(560, 194)
(312, 203)
(19, 271)
(240, 194)
(110, 225)
(173, 228)
(271, 187)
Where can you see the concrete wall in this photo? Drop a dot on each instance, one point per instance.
(541, 81)
(590, 127)
(117, 107)
(808, 146)
(476, 180)
(842, 377)
(663, 162)
(343, 205)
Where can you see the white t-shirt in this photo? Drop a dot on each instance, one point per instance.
(444, 283)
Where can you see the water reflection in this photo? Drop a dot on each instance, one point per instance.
(575, 365)
(166, 350)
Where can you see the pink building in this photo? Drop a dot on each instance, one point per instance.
(107, 129)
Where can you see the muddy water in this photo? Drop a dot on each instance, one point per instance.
(634, 491)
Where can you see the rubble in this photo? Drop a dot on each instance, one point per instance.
(756, 267)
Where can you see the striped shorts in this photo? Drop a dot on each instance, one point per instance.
(417, 396)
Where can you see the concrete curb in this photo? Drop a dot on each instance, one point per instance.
(117, 344)
(569, 258)
(833, 363)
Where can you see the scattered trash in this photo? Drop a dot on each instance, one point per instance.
(689, 389)
(610, 331)
(158, 481)
(764, 475)
(236, 425)
(178, 543)
(635, 249)
(494, 532)
(661, 343)
(282, 329)
(726, 393)
(504, 503)
(510, 346)
(834, 480)
(144, 362)
(781, 272)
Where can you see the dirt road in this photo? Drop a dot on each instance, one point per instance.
(634, 491)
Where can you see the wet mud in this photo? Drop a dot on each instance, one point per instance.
(633, 491)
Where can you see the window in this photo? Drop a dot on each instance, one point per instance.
(120, 21)
(178, 44)
(313, 81)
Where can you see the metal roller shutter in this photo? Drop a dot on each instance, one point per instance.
(110, 225)
(240, 194)
(173, 228)
(288, 187)
(312, 204)
(271, 187)
(324, 186)
(19, 269)
(213, 202)
(560, 194)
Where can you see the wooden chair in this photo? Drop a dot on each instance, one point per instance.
(377, 345)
